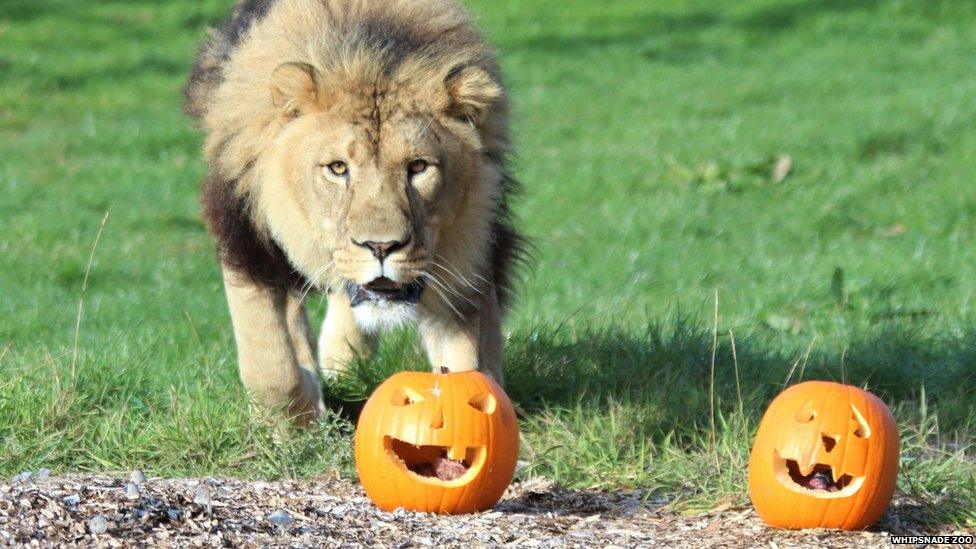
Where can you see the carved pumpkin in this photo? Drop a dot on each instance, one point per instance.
(437, 443)
(825, 456)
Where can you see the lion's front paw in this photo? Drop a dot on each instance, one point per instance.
(307, 405)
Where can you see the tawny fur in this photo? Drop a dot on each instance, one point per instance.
(289, 86)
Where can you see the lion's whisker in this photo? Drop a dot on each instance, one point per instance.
(457, 276)
(448, 289)
(311, 282)
(476, 275)
(447, 301)
(430, 277)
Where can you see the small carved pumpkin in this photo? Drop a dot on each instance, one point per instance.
(437, 443)
(825, 456)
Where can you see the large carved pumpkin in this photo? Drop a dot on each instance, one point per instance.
(437, 443)
(825, 456)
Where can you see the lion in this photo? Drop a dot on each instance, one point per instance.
(360, 149)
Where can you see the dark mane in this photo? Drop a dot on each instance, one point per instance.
(239, 245)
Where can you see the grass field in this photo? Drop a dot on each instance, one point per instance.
(647, 134)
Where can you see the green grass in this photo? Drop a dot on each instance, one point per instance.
(647, 134)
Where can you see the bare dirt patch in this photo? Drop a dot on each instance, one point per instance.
(108, 511)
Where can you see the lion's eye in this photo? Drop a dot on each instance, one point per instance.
(418, 166)
(338, 168)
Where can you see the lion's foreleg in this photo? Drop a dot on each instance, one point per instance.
(342, 340)
(471, 343)
(274, 349)
(490, 340)
(301, 334)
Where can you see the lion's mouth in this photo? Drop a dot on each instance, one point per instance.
(438, 464)
(384, 289)
(821, 480)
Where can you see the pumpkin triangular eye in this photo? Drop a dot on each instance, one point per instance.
(863, 430)
(483, 403)
(405, 396)
(806, 413)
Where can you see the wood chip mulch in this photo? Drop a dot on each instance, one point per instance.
(115, 511)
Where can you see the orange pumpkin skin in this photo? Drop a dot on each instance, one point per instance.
(821, 426)
(417, 416)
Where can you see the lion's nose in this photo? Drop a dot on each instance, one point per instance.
(382, 250)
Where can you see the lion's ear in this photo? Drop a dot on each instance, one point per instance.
(471, 93)
(294, 87)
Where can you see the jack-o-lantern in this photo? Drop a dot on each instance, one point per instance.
(825, 456)
(437, 443)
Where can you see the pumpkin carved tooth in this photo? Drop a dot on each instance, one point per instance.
(457, 453)
(806, 469)
(839, 478)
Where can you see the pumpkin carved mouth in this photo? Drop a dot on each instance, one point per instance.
(819, 480)
(440, 465)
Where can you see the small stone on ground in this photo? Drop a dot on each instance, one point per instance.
(202, 496)
(131, 491)
(137, 477)
(280, 518)
(98, 525)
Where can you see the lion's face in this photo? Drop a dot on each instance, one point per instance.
(362, 194)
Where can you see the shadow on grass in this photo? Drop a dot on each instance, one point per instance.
(28, 10)
(133, 12)
(676, 38)
(671, 365)
(667, 367)
(121, 72)
(784, 16)
(908, 518)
